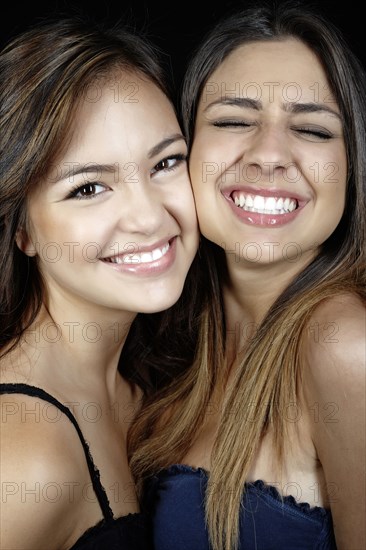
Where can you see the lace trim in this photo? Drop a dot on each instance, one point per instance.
(257, 487)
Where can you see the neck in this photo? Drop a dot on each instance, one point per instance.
(80, 346)
(250, 292)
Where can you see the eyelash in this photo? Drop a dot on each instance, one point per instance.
(318, 133)
(74, 192)
(233, 123)
(178, 158)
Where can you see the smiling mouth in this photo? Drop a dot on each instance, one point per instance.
(139, 257)
(264, 205)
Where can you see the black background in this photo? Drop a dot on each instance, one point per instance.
(176, 26)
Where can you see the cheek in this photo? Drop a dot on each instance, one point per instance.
(203, 171)
(329, 178)
(332, 203)
(184, 211)
(325, 165)
(213, 159)
(329, 207)
(207, 157)
(330, 174)
(46, 240)
(178, 201)
(67, 240)
(205, 177)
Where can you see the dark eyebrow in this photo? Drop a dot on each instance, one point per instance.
(90, 168)
(245, 102)
(288, 107)
(157, 149)
(298, 108)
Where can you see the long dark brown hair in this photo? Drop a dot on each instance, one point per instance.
(45, 72)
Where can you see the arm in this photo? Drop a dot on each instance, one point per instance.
(37, 470)
(334, 379)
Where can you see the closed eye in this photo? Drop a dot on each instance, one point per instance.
(87, 191)
(231, 123)
(317, 133)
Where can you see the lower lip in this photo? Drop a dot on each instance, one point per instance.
(148, 268)
(263, 220)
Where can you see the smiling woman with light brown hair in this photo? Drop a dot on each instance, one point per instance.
(260, 443)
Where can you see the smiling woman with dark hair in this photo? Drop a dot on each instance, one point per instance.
(97, 224)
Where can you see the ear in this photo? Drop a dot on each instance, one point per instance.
(24, 242)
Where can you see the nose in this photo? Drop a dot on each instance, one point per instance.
(142, 210)
(268, 152)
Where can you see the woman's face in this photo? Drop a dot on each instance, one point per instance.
(114, 223)
(268, 161)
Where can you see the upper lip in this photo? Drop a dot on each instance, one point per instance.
(133, 247)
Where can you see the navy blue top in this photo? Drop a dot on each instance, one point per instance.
(123, 533)
(267, 522)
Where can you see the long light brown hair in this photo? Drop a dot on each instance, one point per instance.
(267, 377)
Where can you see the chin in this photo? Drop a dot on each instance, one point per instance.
(156, 304)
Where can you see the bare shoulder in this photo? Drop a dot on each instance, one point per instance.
(41, 461)
(333, 384)
(334, 364)
(336, 337)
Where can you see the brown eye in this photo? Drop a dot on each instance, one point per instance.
(87, 191)
(169, 163)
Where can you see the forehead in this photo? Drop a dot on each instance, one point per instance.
(118, 119)
(120, 105)
(127, 92)
(285, 67)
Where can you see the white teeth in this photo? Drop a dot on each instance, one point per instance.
(271, 203)
(249, 201)
(157, 254)
(265, 205)
(258, 202)
(140, 258)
